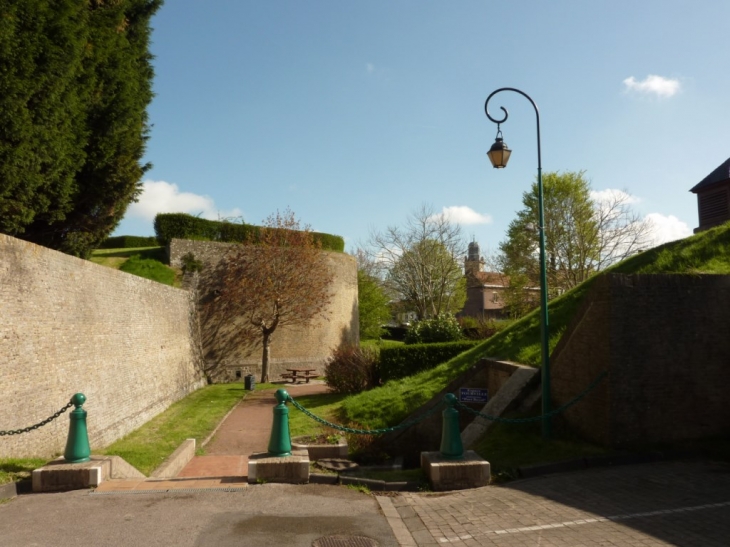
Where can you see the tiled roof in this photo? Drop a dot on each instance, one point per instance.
(718, 175)
(492, 278)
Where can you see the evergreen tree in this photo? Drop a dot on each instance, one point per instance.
(42, 118)
(79, 75)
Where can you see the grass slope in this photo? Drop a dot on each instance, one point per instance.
(147, 262)
(704, 253)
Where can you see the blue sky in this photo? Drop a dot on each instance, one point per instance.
(355, 113)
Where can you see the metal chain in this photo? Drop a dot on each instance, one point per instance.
(380, 431)
(554, 412)
(39, 424)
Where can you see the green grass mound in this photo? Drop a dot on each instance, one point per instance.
(704, 253)
(149, 268)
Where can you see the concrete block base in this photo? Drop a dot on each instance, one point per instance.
(472, 471)
(59, 476)
(293, 469)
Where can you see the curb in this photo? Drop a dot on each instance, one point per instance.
(175, 461)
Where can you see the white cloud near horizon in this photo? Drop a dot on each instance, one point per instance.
(653, 85)
(159, 196)
(666, 228)
(466, 216)
(612, 195)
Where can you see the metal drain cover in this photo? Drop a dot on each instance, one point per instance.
(344, 541)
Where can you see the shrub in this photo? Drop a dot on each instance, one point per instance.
(402, 361)
(394, 333)
(481, 329)
(128, 242)
(191, 264)
(444, 328)
(352, 369)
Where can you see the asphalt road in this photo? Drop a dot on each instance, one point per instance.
(260, 516)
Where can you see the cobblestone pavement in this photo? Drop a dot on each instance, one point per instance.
(667, 503)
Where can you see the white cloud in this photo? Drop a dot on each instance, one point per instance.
(667, 228)
(165, 197)
(461, 214)
(653, 85)
(612, 195)
(370, 67)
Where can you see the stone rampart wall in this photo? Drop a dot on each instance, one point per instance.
(664, 341)
(69, 326)
(308, 346)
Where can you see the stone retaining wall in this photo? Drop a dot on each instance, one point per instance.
(69, 326)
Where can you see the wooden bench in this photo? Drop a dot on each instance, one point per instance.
(295, 376)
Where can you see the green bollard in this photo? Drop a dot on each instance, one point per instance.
(280, 441)
(451, 447)
(77, 444)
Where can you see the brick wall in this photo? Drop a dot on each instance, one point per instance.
(664, 340)
(68, 325)
(309, 345)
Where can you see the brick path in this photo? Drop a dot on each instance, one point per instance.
(668, 503)
(244, 431)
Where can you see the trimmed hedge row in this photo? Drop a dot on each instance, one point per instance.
(128, 242)
(184, 226)
(403, 361)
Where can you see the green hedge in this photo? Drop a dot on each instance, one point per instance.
(399, 362)
(128, 242)
(184, 226)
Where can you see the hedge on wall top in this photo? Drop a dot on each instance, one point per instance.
(128, 242)
(183, 226)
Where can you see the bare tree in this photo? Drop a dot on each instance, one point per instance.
(420, 263)
(278, 278)
(622, 232)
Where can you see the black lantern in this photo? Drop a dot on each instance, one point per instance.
(499, 152)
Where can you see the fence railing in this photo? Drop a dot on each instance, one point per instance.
(451, 446)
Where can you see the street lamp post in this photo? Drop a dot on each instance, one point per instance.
(499, 155)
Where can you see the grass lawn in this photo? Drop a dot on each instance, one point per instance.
(147, 262)
(195, 416)
(324, 405)
(15, 469)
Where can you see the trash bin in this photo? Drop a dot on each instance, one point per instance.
(249, 382)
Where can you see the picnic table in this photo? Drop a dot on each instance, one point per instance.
(296, 374)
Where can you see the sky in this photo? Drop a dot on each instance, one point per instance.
(354, 114)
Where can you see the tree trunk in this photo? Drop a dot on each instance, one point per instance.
(265, 357)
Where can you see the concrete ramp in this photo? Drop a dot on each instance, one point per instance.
(515, 390)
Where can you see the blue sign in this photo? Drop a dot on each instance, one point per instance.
(473, 395)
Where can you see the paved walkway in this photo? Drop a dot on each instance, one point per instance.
(244, 431)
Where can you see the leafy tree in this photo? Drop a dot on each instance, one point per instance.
(373, 306)
(279, 278)
(444, 328)
(75, 82)
(582, 235)
(420, 263)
